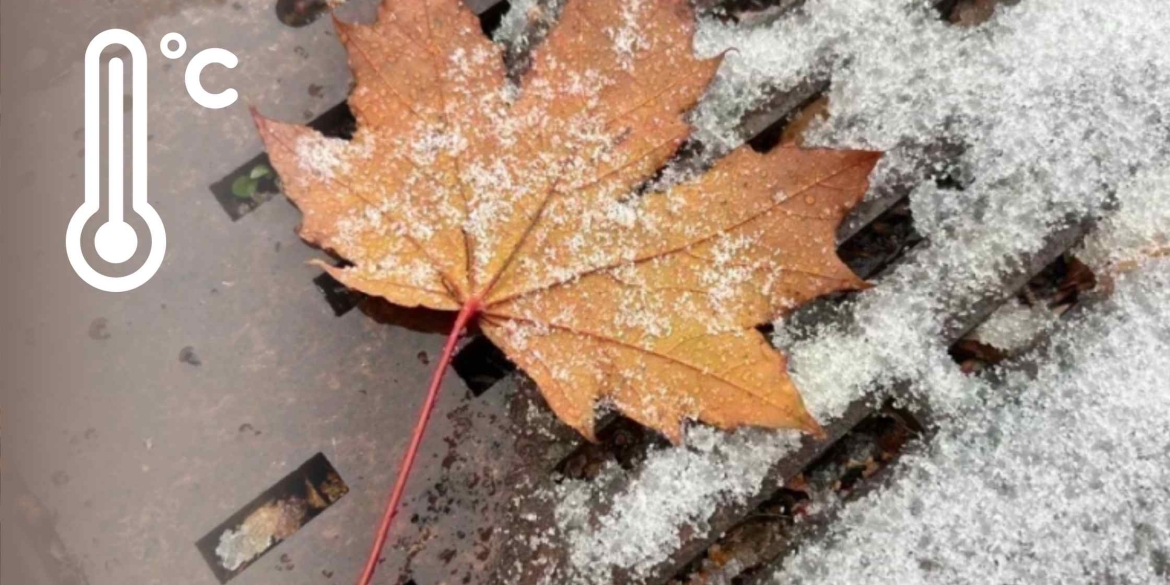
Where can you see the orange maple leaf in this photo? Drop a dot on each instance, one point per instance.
(517, 206)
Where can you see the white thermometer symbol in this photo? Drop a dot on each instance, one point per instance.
(115, 240)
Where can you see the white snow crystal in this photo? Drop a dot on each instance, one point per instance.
(1139, 228)
(325, 156)
(1015, 325)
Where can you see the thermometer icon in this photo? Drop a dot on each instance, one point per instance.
(116, 240)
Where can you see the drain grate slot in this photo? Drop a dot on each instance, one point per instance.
(340, 298)
(481, 364)
(271, 517)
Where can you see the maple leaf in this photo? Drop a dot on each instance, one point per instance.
(517, 206)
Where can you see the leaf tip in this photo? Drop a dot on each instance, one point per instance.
(586, 429)
(812, 427)
(340, 26)
(872, 156)
(807, 423)
(674, 433)
(257, 118)
(723, 54)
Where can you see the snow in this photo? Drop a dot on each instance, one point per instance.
(1054, 121)
(1015, 325)
(1066, 480)
(675, 483)
(1062, 109)
(326, 157)
(1139, 226)
(628, 39)
(516, 30)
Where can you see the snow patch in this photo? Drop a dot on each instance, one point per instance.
(1067, 480)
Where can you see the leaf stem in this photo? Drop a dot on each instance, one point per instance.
(468, 312)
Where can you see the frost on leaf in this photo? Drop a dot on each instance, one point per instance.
(459, 191)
